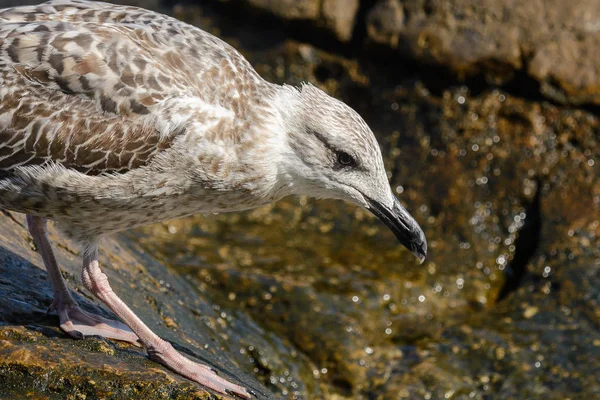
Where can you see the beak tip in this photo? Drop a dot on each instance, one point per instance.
(404, 226)
(420, 251)
(418, 245)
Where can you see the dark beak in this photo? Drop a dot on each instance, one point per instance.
(404, 226)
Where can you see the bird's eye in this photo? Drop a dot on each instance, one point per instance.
(345, 159)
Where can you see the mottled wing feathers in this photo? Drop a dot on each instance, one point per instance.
(59, 103)
(34, 131)
(99, 87)
(123, 54)
(103, 65)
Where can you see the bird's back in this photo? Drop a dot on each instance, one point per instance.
(115, 116)
(127, 37)
(103, 88)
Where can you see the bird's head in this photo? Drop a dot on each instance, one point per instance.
(332, 153)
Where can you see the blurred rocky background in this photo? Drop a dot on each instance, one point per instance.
(487, 114)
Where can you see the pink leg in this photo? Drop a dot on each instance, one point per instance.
(158, 349)
(73, 320)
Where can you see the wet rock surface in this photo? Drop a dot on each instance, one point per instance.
(553, 41)
(550, 42)
(37, 359)
(337, 17)
(314, 299)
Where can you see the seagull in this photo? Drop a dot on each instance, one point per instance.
(113, 117)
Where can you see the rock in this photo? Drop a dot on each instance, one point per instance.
(338, 17)
(385, 22)
(289, 9)
(497, 38)
(568, 68)
(335, 16)
(38, 359)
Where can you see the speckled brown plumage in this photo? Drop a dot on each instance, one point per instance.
(101, 88)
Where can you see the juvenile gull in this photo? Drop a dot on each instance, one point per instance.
(113, 117)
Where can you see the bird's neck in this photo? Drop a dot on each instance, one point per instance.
(254, 169)
(254, 164)
(294, 174)
(263, 147)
